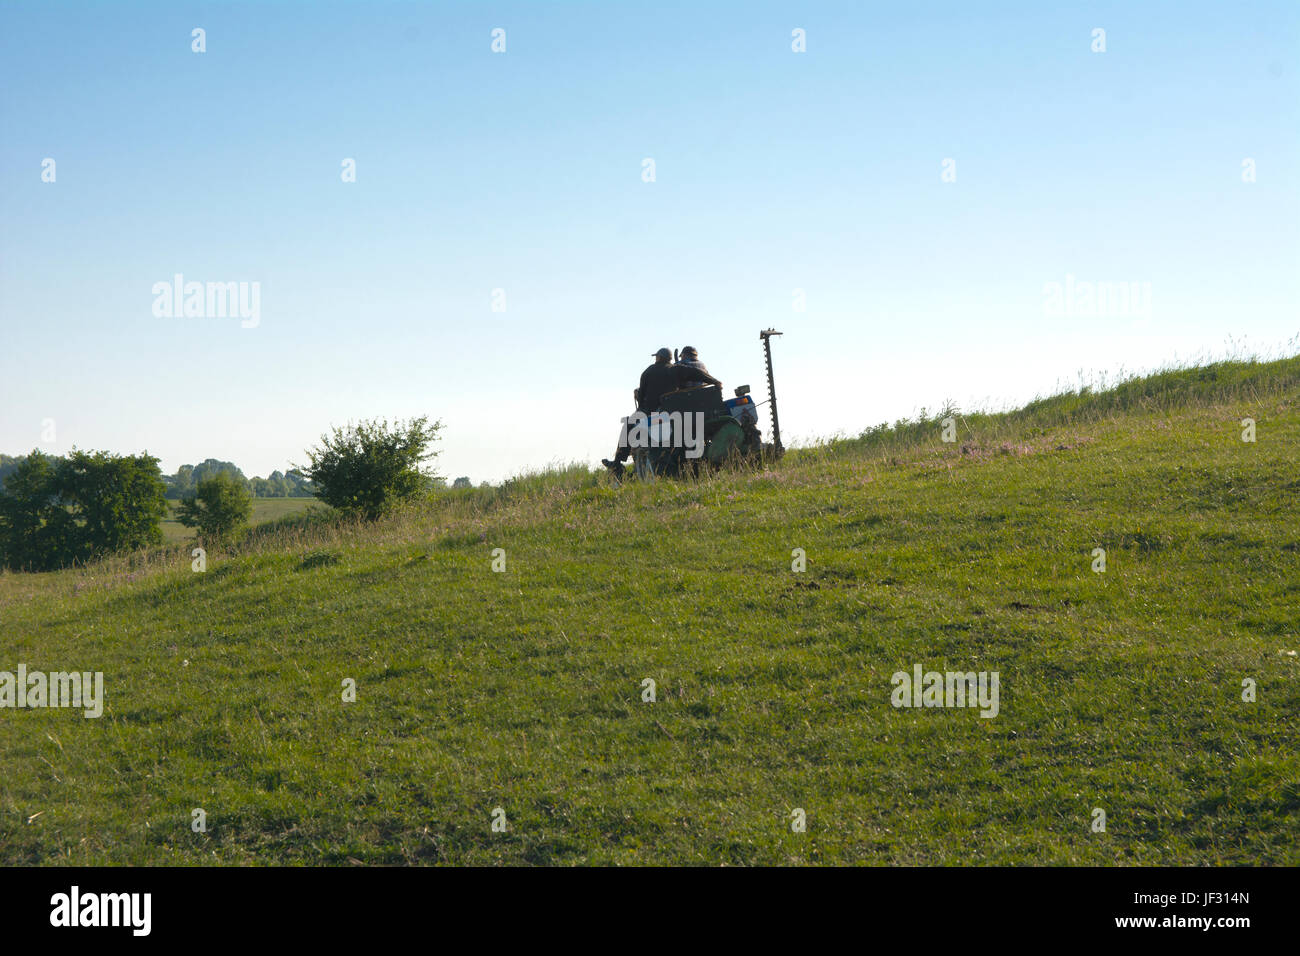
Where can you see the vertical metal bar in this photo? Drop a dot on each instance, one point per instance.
(766, 336)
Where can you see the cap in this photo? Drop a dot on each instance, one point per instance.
(663, 354)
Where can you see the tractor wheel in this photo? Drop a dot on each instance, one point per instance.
(725, 441)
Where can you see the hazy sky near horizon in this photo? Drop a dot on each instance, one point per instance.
(523, 171)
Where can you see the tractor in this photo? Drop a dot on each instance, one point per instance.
(695, 428)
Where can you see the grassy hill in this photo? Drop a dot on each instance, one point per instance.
(522, 690)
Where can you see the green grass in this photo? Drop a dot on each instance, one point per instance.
(522, 689)
(264, 510)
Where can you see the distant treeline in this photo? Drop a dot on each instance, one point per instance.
(281, 484)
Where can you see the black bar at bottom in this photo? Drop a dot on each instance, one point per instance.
(333, 906)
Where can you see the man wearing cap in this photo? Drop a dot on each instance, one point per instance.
(689, 356)
(657, 381)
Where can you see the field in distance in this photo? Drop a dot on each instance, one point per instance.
(264, 510)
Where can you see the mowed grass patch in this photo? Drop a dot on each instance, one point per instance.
(523, 689)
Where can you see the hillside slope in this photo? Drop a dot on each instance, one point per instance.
(522, 689)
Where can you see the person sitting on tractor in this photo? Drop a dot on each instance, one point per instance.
(689, 356)
(657, 381)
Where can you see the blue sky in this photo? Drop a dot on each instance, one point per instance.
(522, 171)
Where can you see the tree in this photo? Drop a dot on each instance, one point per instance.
(462, 482)
(32, 520)
(299, 486)
(219, 508)
(180, 484)
(8, 465)
(212, 466)
(117, 500)
(280, 486)
(370, 467)
(57, 511)
(277, 485)
(187, 477)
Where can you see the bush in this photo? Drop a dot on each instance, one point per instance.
(32, 522)
(371, 467)
(58, 511)
(219, 508)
